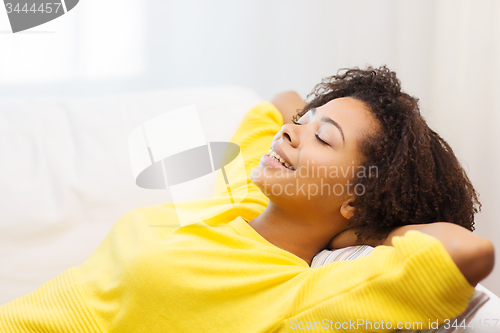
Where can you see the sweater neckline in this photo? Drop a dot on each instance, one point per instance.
(241, 226)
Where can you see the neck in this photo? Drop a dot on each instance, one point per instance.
(302, 234)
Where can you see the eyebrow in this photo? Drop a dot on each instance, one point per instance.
(331, 121)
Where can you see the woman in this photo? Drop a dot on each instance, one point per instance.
(246, 269)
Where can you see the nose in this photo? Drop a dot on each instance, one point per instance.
(289, 134)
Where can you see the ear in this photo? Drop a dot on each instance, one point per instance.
(347, 209)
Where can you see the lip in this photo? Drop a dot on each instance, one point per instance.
(265, 159)
(280, 152)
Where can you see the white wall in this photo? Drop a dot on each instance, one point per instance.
(445, 53)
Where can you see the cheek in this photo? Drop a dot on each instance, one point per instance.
(332, 177)
(319, 166)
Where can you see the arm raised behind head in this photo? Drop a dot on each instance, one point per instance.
(288, 103)
(473, 255)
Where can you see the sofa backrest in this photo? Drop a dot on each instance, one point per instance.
(65, 173)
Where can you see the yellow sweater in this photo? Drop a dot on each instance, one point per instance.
(220, 275)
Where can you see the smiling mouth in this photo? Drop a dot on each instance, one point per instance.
(274, 155)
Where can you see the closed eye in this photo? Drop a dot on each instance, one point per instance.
(317, 137)
(323, 142)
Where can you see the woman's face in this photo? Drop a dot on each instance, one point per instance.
(322, 147)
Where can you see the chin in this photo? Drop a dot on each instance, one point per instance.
(276, 182)
(258, 178)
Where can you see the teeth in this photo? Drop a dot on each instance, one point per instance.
(275, 155)
(278, 158)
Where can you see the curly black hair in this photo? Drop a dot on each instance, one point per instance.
(419, 177)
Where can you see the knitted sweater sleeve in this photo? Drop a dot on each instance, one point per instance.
(413, 283)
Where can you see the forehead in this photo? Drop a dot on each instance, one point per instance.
(344, 107)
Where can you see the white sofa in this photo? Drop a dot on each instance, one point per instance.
(66, 175)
